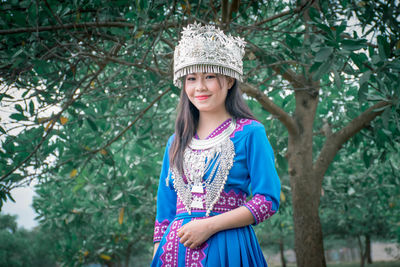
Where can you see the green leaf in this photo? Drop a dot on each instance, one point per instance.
(352, 45)
(322, 70)
(40, 66)
(19, 108)
(4, 95)
(366, 158)
(359, 60)
(383, 47)
(120, 194)
(314, 14)
(326, 29)
(365, 77)
(315, 66)
(92, 124)
(292, 42)
(18, 117)
(323, 54)
(363, 92)
(337, 78)
(31, 108)
(2, 130)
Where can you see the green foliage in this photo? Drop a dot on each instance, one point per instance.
(362, 198)
(90, 103)
(19, 247)
(104, 210)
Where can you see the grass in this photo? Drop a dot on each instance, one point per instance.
(354, 264)
(374, 264)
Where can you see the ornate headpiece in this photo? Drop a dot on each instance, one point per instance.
(208, 49)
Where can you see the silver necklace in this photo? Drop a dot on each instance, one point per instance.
(214, 156)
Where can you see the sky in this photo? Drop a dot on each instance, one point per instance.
(22, 195)
(22, 207)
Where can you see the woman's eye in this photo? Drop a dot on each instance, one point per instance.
(210, 76)
(190, 78)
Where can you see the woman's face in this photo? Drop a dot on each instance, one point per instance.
(207, 91)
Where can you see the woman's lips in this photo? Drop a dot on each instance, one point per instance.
(202, 97)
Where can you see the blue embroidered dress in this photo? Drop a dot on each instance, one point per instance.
(253, 171)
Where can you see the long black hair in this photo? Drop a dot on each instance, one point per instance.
(188, 118)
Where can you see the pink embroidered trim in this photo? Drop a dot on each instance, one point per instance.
(193, 257)
(240, 123)
(169, 256)
(226, 202)
(219, 130)
(260, 207)
(159, 230)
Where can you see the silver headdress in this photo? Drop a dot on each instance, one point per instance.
(208, 49)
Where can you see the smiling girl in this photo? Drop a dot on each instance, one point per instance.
(217, 158)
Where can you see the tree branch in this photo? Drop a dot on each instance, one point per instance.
(53, 122)
(297, 81)
(234, 7)
(335, 141)
(277, 16)
(103, 24)
(138, 117)
(91, 153)
(271, 107)
(224, 8)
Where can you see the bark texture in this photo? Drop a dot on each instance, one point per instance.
(305, 190)
(306, 176)
(282, 253)
(368, 252)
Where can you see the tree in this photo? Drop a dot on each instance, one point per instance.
(305, 64)
(19, 247)
(364, 195)
(105, 213)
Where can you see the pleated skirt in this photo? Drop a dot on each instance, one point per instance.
(231, 248)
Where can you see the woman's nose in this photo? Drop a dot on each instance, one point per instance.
(201, 84)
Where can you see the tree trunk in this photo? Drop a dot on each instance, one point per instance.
(362, 256)
(305, 185)
(282, 250)
(128, 255)
(368, 249)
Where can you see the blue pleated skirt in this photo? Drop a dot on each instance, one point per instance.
(231, 248)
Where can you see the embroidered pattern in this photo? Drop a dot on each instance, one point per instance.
(159, 230)
(240, 123)
(226, 202)
(260, 207)
(194, 257)
(221, 128)
(169, 256)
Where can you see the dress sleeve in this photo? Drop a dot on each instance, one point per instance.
(265, 183)
(166, 199)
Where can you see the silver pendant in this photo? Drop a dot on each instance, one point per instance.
(197, 189)
(197, 203)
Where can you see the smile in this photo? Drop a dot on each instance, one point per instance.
(202, 97)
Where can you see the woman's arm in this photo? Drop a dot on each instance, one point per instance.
(156, 244)
(196, 232)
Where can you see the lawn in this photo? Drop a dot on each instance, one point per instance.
(354, 264)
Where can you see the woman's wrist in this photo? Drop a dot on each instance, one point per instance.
(212, 224)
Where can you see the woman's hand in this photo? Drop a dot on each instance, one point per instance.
(195, 233)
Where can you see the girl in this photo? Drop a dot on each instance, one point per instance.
(217, 156)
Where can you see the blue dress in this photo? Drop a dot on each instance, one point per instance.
(254, 172)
